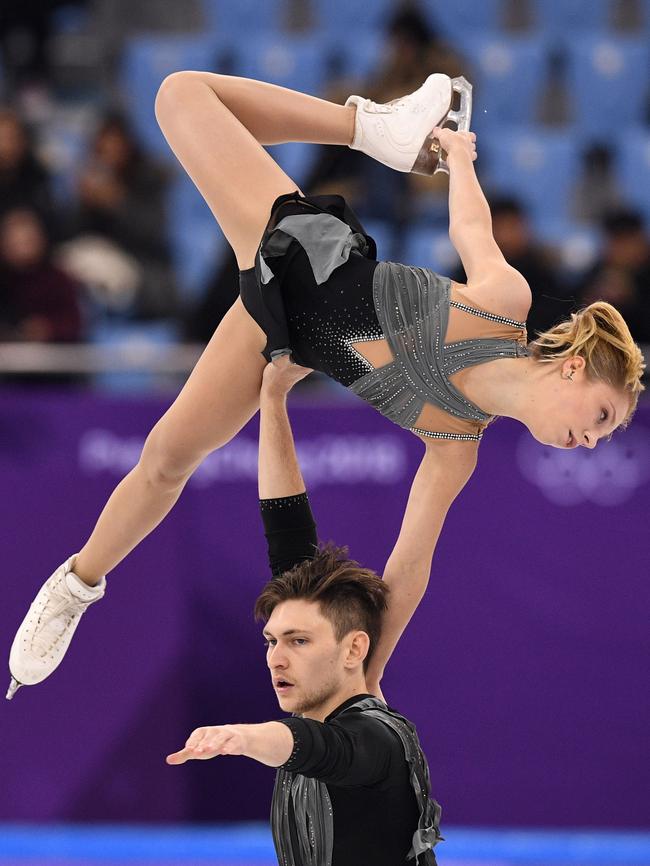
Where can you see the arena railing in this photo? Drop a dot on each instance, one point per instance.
(128, 357)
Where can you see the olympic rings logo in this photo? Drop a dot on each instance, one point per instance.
(608, 475)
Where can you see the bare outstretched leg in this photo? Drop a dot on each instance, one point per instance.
(240, 181)
(212, 123)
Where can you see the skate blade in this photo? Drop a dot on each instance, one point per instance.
(462, 118)
(14, 685)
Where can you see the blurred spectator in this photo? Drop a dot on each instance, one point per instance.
(38, 302)
(627, 16)
(518, 15)
(554, 105)
(622, 276)
(512, 232)
(597, 191)
(114, 21)
(25, 33)
(119, 228)
(23, 180)
(411, 51)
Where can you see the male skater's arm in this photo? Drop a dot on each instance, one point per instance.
(288, 522)
(445, 469)
(351, 750)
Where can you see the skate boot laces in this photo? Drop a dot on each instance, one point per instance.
(386, 107)
(59, 610)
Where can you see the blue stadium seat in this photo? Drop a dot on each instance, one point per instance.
(241, 17)
(633, 163)
(509, 78)
(356, 58)
(577, 245)
(295, 159)
(348, 19)
(298, 62)
(608, 79)
(427, 248)
(146, 61)
(461, 18)
(195, 237)
(382, 234)
(538, 167)
(571, 17)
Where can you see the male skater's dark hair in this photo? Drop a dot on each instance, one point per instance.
(351, 597)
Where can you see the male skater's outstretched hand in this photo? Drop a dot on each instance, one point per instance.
(270, 743)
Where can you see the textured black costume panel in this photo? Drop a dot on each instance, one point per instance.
(317, 322)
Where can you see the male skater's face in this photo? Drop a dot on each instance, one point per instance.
(309, 668)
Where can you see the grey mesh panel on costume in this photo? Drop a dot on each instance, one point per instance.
(412, 305)
(327, 241)
(314, 822)
(427, 834)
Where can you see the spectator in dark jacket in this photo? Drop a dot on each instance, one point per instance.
(38, 302)
(121, 200)
(24, 181)
(622, 275)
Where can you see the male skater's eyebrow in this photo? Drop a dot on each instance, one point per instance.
(286, 633)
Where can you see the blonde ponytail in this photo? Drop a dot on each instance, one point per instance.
(599, 334)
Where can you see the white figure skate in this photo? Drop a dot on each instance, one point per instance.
(45, 634)
(399, 133)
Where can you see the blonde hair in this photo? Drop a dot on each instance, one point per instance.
(598, 333)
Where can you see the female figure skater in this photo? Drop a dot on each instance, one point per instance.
(435, 357)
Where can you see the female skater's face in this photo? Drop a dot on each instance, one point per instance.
(308, 667)
(578, 411)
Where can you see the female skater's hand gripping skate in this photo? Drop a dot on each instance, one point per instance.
(453, 143)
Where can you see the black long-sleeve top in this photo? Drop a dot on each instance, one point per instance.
(359, 758)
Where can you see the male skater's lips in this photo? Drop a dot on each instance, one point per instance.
(282, 685)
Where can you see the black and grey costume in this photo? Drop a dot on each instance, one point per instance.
(316, 290)
(356, 787)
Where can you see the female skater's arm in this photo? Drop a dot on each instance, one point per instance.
(470, 223)
(288, 521)
(445, 469)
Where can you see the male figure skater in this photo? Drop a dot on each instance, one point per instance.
(352, 783)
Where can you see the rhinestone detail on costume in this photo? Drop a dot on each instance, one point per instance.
(493, 317)
(412, 306)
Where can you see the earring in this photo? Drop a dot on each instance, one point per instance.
(569, 375)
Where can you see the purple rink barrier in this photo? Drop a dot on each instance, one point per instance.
(525, 667)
